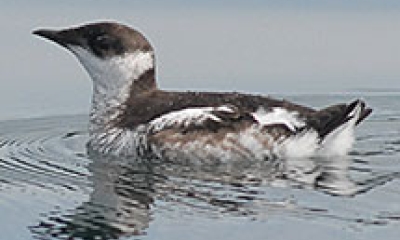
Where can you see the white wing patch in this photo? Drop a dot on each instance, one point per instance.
(278, 116)
(187, 117)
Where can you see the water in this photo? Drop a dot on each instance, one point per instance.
(50, 188)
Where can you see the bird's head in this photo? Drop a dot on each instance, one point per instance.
(110, 52)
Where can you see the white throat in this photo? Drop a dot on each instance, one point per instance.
(112, 80)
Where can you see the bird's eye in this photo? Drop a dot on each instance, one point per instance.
(104, 42)
(104, 45)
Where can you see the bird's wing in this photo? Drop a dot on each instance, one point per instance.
(200, 118)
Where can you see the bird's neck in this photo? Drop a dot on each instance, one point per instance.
(108, 106)
(114, 81)
(109, 103)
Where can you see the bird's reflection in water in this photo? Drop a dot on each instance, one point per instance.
(126, 192)
(119, 204)
(329, 175)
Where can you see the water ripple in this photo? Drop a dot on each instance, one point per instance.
(35, 151)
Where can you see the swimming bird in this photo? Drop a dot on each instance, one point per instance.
(131, 117)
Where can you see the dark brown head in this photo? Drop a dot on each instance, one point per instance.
(104, 39)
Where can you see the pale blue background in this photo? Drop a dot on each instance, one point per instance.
(266, 47)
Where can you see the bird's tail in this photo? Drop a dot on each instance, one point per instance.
(335, 127)
(329, 119)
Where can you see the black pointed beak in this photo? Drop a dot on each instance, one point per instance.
(65, 38)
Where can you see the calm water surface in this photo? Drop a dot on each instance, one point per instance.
(50, 188)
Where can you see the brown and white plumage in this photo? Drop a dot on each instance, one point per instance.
(130, 116)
